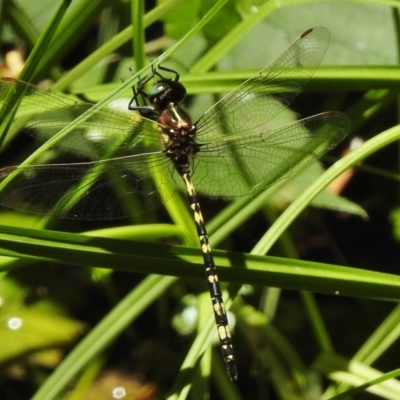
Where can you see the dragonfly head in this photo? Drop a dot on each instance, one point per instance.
(165, 92)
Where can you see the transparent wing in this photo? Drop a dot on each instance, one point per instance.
(42, 114)
(250, 106)
(241, 165)
(124, 152)
(106, 189)
(238, 153)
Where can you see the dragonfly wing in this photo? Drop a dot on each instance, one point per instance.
(106, 189)
(255, 102)
(242, 165)
(103, 133)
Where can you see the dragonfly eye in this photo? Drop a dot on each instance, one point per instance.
(165, 92)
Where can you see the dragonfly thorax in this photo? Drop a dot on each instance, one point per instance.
(178, 134)
(175, 122)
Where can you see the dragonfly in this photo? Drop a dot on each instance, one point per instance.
(127, 162)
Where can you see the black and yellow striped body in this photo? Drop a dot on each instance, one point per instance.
(220, 315)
